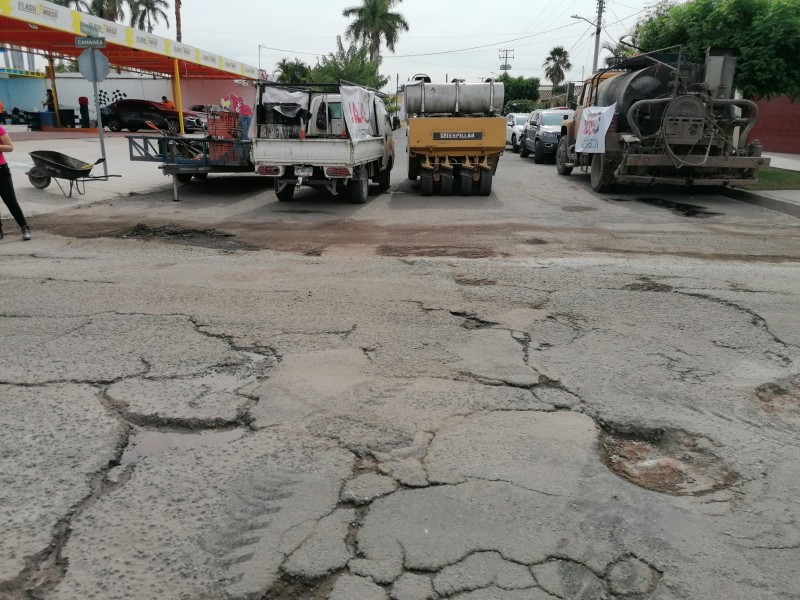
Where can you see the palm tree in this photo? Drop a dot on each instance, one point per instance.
(292, 71)
(79, 5)
(178, 35)
(374, 20)
(556, 65)
(111, 10)
(618, 52)
(145, 14)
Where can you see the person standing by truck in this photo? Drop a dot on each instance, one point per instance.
(7, 187)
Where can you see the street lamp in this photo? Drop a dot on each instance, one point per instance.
(597, 27)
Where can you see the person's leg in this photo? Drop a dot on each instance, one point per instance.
(10, 198)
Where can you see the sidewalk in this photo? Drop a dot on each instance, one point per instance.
(783, 201)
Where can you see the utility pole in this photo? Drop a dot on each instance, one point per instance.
(504, 56)
(597, 35)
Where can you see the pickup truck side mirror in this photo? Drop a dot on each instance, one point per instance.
(395, 122)
(573, 105)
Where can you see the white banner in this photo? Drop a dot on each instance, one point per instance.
(358, 107)
(595, 121)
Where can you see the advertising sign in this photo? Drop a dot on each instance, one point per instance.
(592, 129)
(357, 106)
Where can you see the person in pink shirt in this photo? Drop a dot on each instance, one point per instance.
(7, 187)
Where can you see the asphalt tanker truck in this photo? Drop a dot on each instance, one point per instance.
(653, 119)
(455, 135)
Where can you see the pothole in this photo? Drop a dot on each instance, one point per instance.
(292, 589)
(673, 463)
(780, 397)
(646, 285)
(534, 241)
(472, 321)
(145, 443)
(687, 210)
(474, 281)
(435, 251)
(207, 238)
(578, 209)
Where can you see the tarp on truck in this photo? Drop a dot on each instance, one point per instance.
(358, 106)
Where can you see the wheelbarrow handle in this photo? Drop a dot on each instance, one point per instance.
(100, 161)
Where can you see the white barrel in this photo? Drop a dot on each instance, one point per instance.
(450, 98)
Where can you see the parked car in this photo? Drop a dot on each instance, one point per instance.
(541, 133)
(134, 114)
(514, 125)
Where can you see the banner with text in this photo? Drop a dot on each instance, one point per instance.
(357, 105)
(595, 121)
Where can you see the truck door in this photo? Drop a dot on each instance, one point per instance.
(384, 129)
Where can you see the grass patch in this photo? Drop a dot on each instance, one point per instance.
(777, 179)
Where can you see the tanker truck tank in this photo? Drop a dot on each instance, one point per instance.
(454, 98)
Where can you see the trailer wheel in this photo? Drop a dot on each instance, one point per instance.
(184, 177)
(601, 173)
(466, 183)
(561, 157)
(359, 187)
(485, 183)
(426, 182)
(286, 194)
(200, 175)
(38, 178)
(538, 152)
(446, 187)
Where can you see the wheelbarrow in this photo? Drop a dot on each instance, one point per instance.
(49, 165)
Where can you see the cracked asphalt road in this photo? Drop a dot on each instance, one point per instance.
(544, 394)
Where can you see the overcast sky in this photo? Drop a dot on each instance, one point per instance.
(308, 28)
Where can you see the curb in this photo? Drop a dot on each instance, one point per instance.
(782, 206)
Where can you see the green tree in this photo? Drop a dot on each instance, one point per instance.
(79, 5)
(519, 88)
(764, 33)
(351, 64)
(618, 52)
(292, 71)
(556, 65)
(145, 14)
(374, 21)
(111, 10)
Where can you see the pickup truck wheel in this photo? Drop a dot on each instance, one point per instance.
(384, 179)
(286, 194)
(426, 182)
(359, 187)
(446, 187)
(485, 183)
(514, 144)
(466, 183)
(562, 157)
(523, 148)
(538, 152)
(602, 173)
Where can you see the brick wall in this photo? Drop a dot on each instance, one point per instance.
(778, 125)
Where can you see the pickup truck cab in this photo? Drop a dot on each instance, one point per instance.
(309, 136)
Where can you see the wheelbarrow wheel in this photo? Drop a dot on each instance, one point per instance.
(38, 178)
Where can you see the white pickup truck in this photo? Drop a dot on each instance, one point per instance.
(323, 135)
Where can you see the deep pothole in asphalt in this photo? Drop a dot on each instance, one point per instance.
(780, 397)
(477, 281)
(673, 462)
(435, 251)
(207, 238)
(687, 210)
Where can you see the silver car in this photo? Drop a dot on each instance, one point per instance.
(514, 124)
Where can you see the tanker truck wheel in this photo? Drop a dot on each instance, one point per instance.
(601, 174)
(485, 183)
(426, 182)
(561, 157)
(465, 179)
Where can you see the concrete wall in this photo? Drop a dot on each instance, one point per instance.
(778, 125)
(25, 93)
